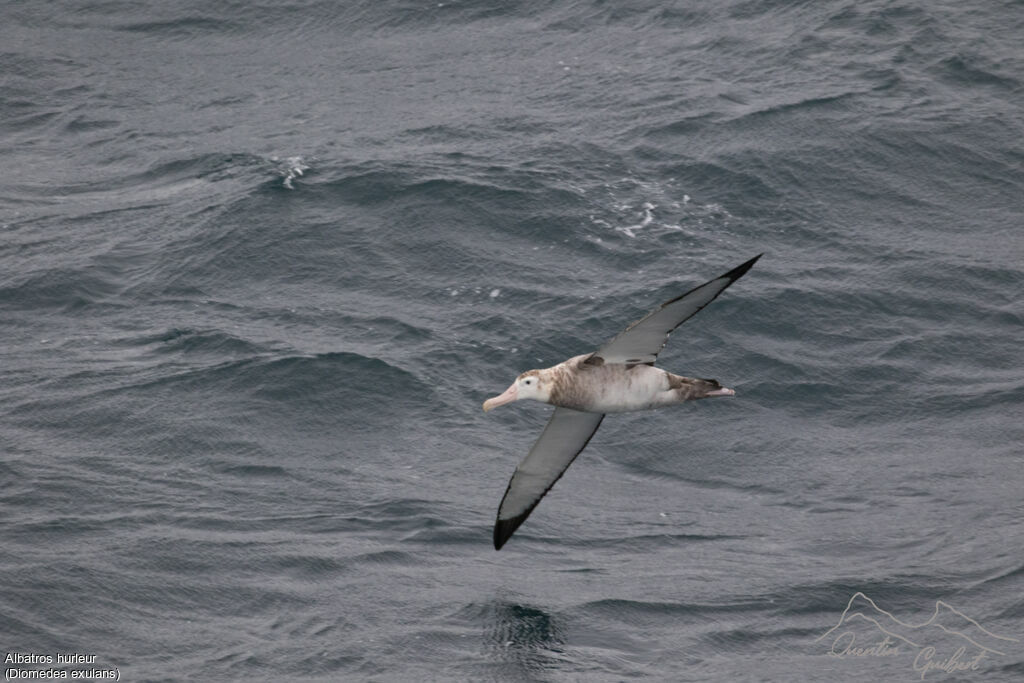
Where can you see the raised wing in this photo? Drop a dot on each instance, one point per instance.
(564, 437)
(642, 341)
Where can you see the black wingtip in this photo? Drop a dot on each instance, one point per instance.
(738, 272)
(504, 528)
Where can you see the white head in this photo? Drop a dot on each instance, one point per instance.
(531, 384)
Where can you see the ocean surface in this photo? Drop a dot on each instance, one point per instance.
(261, 262)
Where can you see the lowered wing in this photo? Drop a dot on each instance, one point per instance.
(564, 437)
(642, 341)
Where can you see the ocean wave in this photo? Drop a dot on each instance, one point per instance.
(975, 71)
(161, 182)
(297, 380)
(184, 340)
(180, 27)
(374, 183)
(631, 611)
(59, 289)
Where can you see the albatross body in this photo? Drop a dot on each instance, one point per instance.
(589, 384)
(619, 377)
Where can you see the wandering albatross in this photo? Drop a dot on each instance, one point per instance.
(619, 377)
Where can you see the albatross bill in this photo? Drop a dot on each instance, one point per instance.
(619, 377)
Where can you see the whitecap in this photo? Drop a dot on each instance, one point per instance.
(291, 168)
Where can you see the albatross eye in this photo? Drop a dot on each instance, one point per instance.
(528, 382)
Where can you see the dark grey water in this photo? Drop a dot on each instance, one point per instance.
(260, 263)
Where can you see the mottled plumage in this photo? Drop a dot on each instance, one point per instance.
(619, 377)
(581, 383)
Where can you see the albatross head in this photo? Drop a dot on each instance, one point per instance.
(531, 384)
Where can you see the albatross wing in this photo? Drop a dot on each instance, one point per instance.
(565, 435)
(642, 341)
